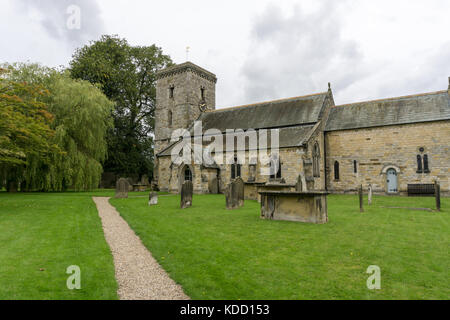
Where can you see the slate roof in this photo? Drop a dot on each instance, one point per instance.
(295, 118)
(272, 114)
(426, 107)
(288, 137)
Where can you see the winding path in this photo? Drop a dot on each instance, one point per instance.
(138, 274)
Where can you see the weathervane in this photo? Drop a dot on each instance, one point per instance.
(187, 53)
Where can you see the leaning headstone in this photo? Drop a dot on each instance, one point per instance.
(361, 204)
(370, 194)
(186, 194)
(153, 199)
(122, 187)
(437, 190)
(235, 194)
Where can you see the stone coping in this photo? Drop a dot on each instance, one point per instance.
(255, 183)
(295, 193)
(281, 185)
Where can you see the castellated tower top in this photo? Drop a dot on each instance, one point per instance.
(183, 92)
(186, 67)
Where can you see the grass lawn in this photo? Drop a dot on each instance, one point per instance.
(53, 232)
(218, 254)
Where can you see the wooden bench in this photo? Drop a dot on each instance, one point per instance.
(419, 190)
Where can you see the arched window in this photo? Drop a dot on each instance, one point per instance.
(275, 162)
(235, 168)
(355, 166)
(336, 170)
(170, 116)
(419, 164)
(187, 174)
(426, 168)
(202, 93)
(171, 92)
(316, 161)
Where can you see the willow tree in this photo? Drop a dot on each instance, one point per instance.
(25, 130)
(81, 118)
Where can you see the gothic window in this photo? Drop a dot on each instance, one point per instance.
(316, 161)
(355, 166)
(336, 170)
(426, 168)
(170, 118)
(235, 169)
(187, 174)
(171, 92)
(419, 164)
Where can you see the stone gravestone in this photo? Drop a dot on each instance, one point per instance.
(361, 198)
(122, 187)
(186, 194)
(437, 190)
(213, 186)
(370, 194)
(130, 184)
(299, 184)
(11, 186)
(235, 194)
(153, 199)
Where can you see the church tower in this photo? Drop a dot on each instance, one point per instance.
(183, 92)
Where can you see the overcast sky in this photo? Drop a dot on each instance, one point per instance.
(259, 50)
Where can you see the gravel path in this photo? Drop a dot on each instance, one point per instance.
(138, 274)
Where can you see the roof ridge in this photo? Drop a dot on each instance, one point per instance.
(265, 102)
(394, 98)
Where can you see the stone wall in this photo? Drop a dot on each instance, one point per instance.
(291, 166)
(377, 149)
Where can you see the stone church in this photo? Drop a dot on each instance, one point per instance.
(388, 143)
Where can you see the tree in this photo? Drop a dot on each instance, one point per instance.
(25, 130)
(126, 75)
(81, 117)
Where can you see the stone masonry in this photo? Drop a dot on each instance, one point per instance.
(179, 93)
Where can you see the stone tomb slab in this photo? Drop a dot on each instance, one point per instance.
(307, 207)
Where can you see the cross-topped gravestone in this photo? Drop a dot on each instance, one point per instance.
(186, 194)
(153, 199)
(235, 194)
(122, 187)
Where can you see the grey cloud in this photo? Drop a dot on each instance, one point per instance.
(54, 16)
(426, 74)
(299, 53)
